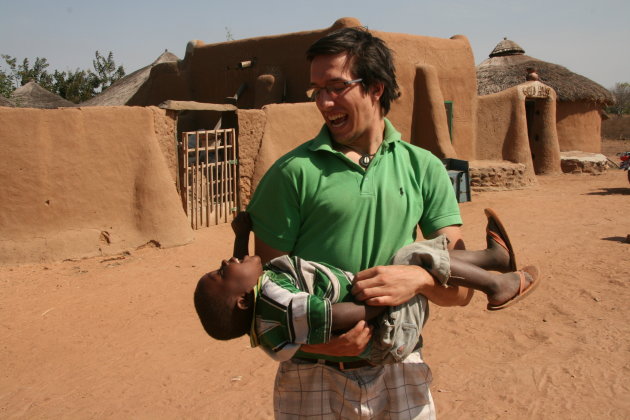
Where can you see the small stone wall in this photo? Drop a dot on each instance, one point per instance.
(486, 175)
(576, 162)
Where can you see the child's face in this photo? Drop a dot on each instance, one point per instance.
(236, 277)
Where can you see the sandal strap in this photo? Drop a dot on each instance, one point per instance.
(521, 278)
(498, 239)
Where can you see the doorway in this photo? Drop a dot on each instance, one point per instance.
(209, 188)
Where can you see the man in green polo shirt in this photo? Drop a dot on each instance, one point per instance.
(351, 198)
(348, 216)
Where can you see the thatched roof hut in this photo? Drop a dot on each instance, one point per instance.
(123, 90)
(5, 102)
(32, 95)
(508, 66)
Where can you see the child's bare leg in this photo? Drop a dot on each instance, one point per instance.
(496, 256)
(499, 288)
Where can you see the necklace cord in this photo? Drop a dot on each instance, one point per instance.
(366, 158)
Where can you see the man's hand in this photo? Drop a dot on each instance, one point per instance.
(395, 284)
(391, 285)
(350, 343)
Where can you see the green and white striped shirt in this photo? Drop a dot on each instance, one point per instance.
(293, 304)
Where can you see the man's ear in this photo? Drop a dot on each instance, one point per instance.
(242, 302)
(377, 90)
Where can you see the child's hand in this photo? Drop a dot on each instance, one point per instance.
(242, 224)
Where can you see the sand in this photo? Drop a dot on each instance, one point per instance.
(118, 337)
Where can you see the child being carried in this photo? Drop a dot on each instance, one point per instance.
(290, 301)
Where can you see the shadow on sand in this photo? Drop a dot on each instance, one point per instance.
(622, 239)
(610, 191)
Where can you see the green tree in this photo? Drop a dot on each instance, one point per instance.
(37, 72)
(76, 86)
(106, 71)
(21, 74)
(10, 77)
(6, 84)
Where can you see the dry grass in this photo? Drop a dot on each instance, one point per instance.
(617, 128)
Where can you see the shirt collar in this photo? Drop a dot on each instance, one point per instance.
(323, 141)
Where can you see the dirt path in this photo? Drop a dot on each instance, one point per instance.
(118, 338)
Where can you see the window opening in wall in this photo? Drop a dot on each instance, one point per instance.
(448, 106)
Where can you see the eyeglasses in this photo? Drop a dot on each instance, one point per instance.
(333, 89)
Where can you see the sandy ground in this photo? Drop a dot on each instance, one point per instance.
(118, 337)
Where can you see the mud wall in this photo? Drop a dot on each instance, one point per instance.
(81, 182)
(266, 135)
(164, 126)
(274, 69)
(250, 130)
(579, 126)
(502, 130)
(430, 72)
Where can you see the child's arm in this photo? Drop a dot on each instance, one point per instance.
(241, 225)
(345, 315)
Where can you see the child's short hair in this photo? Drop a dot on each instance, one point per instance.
(216, 314)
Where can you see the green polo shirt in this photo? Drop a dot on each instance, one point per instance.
(317, 204)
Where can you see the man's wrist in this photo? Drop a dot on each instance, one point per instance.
(424, 281)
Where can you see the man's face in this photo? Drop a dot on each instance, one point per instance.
(236, 277)
(353, 116)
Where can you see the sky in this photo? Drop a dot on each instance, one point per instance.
(588, 37)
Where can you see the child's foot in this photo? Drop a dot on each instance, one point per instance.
(499, 245)
(516, 286)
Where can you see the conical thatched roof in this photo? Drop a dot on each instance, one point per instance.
(506, 47)
(121, 91)
(507, 67)
(5, 102)
(32, 95)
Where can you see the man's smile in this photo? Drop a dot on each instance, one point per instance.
(337, 120)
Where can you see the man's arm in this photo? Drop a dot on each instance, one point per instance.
(454, 235)
(395, 284)
(452, 295)
(265, 252)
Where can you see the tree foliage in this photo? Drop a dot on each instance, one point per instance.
(621, 92)
(6, 84)
(76, 86)
(106, 71)
(21, 74)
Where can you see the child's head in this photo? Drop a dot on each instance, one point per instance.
(224, 298)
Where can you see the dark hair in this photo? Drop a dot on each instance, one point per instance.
(216, 314)
(372, 60)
